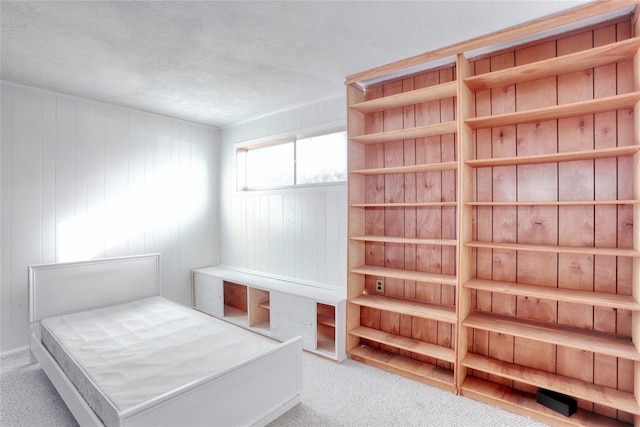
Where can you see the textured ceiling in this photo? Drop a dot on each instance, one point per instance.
(222, 62)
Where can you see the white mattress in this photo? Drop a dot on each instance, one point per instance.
(122, 356)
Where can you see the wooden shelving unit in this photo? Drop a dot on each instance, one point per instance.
(559, 155)
(402, 138)
(326, 327)
(410, 97)
(235, 302)
(496, 198)
(259, 309)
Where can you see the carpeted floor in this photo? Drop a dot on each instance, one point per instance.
(346, 394)
(27, 397)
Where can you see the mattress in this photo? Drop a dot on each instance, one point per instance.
(122, 356)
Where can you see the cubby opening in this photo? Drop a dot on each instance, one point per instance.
(235, 302)
(326, 328)
(259, 312)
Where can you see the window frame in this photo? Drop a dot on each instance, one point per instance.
(241, 186)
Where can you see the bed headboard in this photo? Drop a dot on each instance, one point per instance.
(68, 287)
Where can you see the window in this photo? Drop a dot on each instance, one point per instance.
(270, 165)
(299, 161)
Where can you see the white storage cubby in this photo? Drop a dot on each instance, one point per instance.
(277, 308)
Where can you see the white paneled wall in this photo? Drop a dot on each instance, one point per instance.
(297, 233)
(82, 179)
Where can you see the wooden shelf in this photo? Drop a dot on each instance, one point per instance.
(525, 403)
(408, 307)
(408, 169)
(555, 157)
(539, 158)
(326, 320)
(420, 371)
(602, 395)
(232, 313)
(403, 205)
(557, 249)
(397, 273)
(326, 328)
(558, 203)
(590, 58)
(598, 299)
(406, 240)
(554, 334)
(326, 345)
(264, 305)
(600, 105)
(405, 343)
(410, 133)
(417, 96)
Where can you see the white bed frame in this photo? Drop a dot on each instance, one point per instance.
(255, 392)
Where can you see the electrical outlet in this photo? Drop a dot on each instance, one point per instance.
(379, 285)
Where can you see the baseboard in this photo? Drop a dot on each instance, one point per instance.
(13, 352)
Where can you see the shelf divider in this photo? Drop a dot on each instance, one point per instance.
(555, 157)
(590, 58)
(403, 205)
(397, 273)
(555, 334)
(411, 368)
(406, 306)
(594, 393)
(408, 169)
(431, 93)
(600, 105)
(558, 203)
(405, 343)
(525, 403)
(410, 133)
(407, 240)
(557, 249)
(599, 299)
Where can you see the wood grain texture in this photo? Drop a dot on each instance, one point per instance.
(403, 223)
(525, 404)
(590, 10)
(575, 296)
(546, 210)
(414, 308)
(546, 334)
(410, 231)
(572, 156)
(393, 218)
(564, 64)
(483, 230)
(537, 378)
(625, 277)
(576, 186)
(546, 112)
(404, 343)
(407, 97)
(576, 181)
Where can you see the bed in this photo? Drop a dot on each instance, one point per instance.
(119, 354)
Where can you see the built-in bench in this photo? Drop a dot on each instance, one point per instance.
(275, 307)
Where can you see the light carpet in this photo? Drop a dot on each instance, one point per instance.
(346, 394)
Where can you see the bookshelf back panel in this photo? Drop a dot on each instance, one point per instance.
(583, 226)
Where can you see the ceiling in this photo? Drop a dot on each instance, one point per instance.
(223, 62)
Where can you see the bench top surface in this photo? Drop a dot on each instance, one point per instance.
(301, 288)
